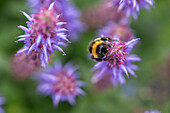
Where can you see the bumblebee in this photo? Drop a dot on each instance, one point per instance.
(99, 48)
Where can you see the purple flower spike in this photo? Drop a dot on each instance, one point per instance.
(70, 14)
(60, 83)
(119, 62)
(44, 34)
(153, 111)
(132, 7)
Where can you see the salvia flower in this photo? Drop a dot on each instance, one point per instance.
(153, 111)
(60, 83)
(44, 34)
(70, 14)
(119, 62)
(132, 7)
(117, 31)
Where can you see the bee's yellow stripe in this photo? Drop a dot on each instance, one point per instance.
(95, 47)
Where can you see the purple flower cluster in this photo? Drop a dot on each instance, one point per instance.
(48, 28)
(119, 62)
(60, 83)
(132, 7)
(70, 14)
(44, 34)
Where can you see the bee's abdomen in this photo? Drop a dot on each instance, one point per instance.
(91, 46)
(95, 49)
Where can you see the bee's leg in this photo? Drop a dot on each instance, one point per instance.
(105, 59)
(99, 59)
(109, 39)
(92, 57)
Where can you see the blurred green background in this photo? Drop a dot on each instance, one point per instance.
(145, 92)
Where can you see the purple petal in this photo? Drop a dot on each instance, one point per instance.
(57, 47)
(60, 23)
(124, 69)
(71, 100)
(121, 78)
(56, 99)
(49, 41)
(21, 39)
(27, 16)
(25, 36)
(45, 53)
(133, 58)
(132, 42)
(24, 28)
(31, 48)
(38, 40)
(51, 6)
(98, 75)
(80, 83)
(61, 30)
(131, 71)
(48, 77)
(45, 88)
(134, 3)
(63, 36)
(150, 2)
(43, 63)
(80, 91)
(62, 43)
(22, 50)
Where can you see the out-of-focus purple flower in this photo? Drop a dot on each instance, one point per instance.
(153, 111)
(99, 15)
(60, 83)
(2, 101)
(117, 31)
(104, 83)
(119, 61)
(132, 7)
(70, 14)
(44, 34)
(24, 65)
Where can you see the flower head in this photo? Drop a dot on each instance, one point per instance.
(132, 7)
(70, 14)
(153, 111)
(99, 15)
(60, 83)
(44, 34)
(117, 31)
(24, 65)
(119, 61)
